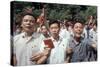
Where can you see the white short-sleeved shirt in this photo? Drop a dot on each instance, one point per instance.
(58, 53)
(24, 48)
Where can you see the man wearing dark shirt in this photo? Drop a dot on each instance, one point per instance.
(80, 47)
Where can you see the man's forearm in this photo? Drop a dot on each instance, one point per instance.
(42, 60)
(14, 60)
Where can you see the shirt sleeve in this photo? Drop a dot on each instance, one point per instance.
(69, 43)
(90, 42)
(14, 41)
(13, 46)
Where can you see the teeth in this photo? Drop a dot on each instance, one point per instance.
(27, 25)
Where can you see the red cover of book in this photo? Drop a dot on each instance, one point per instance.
(49, 43)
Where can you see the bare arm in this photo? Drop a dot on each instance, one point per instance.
(94, 46)
(41, 57)
(14, 60)
(69, 54)
(46, 54)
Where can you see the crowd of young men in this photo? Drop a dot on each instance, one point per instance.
(60, 42)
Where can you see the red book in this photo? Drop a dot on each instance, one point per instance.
(49, 43)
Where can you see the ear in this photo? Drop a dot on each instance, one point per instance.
(72, 29)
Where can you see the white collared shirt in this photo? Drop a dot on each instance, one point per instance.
(24, 48)
(58, 53)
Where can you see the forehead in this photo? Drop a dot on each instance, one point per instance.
(43, 27)
(28, 17)
(54, 25)
(78, 24)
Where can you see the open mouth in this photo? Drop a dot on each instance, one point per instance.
(28, 26)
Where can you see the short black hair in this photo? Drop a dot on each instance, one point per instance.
(77, 22)
(54, 22)
(30, 14)
(43, 25)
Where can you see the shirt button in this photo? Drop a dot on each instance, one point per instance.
(33, 46)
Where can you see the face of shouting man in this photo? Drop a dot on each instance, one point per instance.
(78, 29)
(28, 22)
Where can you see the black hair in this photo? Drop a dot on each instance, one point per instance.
(24, 14)
(43, 25)
(30, 14)
(54, 22)
(77, 22)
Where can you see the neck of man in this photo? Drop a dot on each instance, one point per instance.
(28, 34)
(46, 35)
(56, 37)
(77, 39)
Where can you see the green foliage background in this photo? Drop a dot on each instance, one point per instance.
(58, 11)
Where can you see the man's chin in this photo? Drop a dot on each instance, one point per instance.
(78, 36)
(55, 35)
(28, 31)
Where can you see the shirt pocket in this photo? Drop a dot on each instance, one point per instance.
(34, 47)
(63, 46)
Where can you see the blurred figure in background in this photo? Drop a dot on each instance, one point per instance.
(45, 31)
(93, 33)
